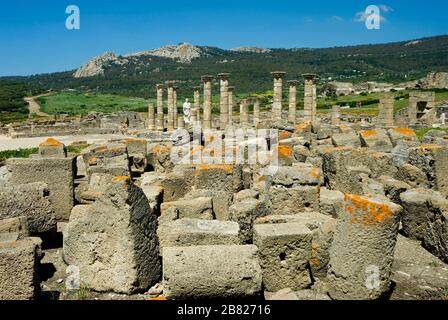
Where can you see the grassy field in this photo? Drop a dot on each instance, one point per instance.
(74, 103)
(25, 153)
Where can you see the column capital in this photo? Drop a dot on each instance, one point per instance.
(207, 78)
(223, 76)
(230, 89)
(175, 88)
(197, 88)
(293, 82)
(309, 76)
(278, 74)
(170, 84)
(159, 86)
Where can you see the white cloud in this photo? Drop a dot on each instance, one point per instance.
(337, 18)
(385, 8)
(362, 17)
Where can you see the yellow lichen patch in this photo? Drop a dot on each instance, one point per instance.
(430, 147)
(367, 211)
(284, 135)
(284, 151)
(314, 261)
(197, 149)
(205, 167)
(303, 126)
(92, 161)
(160, 149)
(134, 141)
(51, 142)
(314, 172)
(337, 149)
(405, 131)
(367, 134)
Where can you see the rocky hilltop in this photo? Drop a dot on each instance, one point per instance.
(97, 65)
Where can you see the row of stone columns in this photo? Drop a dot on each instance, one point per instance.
(226, 103)
(310, 98)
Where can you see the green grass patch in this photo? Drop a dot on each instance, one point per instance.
(421, 132)
(73, 103)
(20, 153)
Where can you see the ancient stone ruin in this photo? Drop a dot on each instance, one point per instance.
(249, 204)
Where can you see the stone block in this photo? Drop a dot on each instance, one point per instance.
(113, 241)
(401, 134)
(57, 173)
(52, 148)
(195, 232)
(19, 269)
(330, 202)
(362, 250)
(376, 139)
(245, 212)
(199, 208)
(346, 140)
(211, 272)
(425, 218)
(30, 201)
(284, 250)
(433, 161)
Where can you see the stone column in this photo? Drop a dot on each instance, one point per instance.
(224, 100)
(151, 117)
(160, 116)
(197, 103)
(278, 94)
(310, 102)
(180, 122)
(412, 110)
(335, 115)
(175, 105)
(170, 124)
(386, 110)
(292, 101)
(207, 80)
(230, 103)
(244, 114)
(256, 112)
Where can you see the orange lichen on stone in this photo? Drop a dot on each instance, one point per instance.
(284, 135)
(160, 149)
(284, 151)
(369, 134)
(405, 131)
(161, 298)
(366, 211)
(205, 167)
(303, 126)
(51, 142)
(121, 179)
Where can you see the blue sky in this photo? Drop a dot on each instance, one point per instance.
(33, 37)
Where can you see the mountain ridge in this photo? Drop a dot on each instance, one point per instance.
(134, 73)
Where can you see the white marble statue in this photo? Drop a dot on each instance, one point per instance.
(187, 111)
